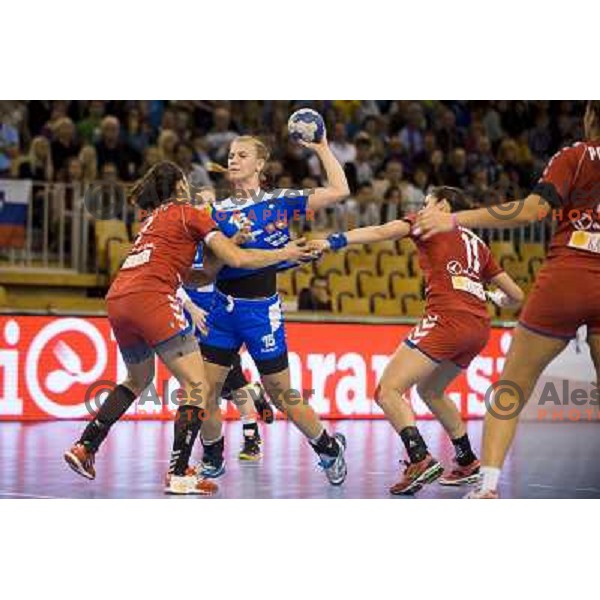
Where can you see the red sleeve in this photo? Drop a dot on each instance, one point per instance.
(491, 268)
(411, 219)
(198, 221)
(555, 183)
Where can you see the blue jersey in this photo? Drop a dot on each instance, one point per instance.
(202, 296)
(269, 214)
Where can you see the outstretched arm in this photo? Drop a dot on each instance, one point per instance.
(394, 230)
(510, 214)
(509, 293)
(337, 185)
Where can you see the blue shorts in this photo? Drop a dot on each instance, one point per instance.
(258, 323)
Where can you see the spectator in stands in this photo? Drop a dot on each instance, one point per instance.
(110, 150)
(9, 141)
(196, 174)
(38, 163)
(456, 173)
(64, 145)
(412, 198)
(221, 135)
(89, 164)
(89, 129)
(295, 163)
(411, 135)
(429, 146)
(317, 297)
(151, 157)
(167, 143)
(374, 126)
(361, 170)
(137, 135)
(449, 136)
(421, 180)
(392, 206)
(342, 149)
(508, 159)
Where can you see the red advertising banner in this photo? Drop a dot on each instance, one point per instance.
(49, 365)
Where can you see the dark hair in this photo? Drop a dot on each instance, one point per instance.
(390, 191)
(455, 197)
(157, 186)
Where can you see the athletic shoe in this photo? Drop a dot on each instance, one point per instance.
(416, 475)
(251, 448)
(213, 461)
(265, 410)
(462, 475)
(335, 467)
(81, 460)
(190, 483)
(480, 494)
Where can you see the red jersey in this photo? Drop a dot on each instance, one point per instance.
(571, 185)
(163, 250)
(456, 265)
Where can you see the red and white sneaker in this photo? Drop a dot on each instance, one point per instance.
(81, 460)
(416, 475)
(481, 494)
(462, 475)
(189, 483)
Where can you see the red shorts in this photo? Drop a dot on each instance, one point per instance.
(454, 336)
(143, 321)
(563, 299)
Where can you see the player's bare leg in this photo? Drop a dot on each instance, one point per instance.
(297, 409)
(198, 395)
(528, 356)
(81, 456)
(431, 390)
(407, 367)
(211, 434)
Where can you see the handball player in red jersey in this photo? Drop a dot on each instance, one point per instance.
(453, 331)
(147, 318)
(566, 294)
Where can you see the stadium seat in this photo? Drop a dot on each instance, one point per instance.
(413, 265)
(529, 250)
(504, 253)
(135, 229)
(332, 261)
(3, 296)
(387, 247)
(406, 246)
(373, 284)
(117, 253)
(301, 278)
(492, 310)
(285, 283)
(355, 306)
(387, 307)
(105, 231)
(518, 270)
(361, 262)
(393, 264)
(405, 285)
(413, 306)
(343, 283)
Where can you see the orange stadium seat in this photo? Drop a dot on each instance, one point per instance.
(413, 306)
(414, 266)
(117, 253)
(301, 278)
(504, 253)
(285, 283)
(373, 284)
(354, 306)
(107, 230)
(361, 262)
(332, 261)
(387, 307)
(405, 285)
(343, 283)
(387, 247)
(393, 264)
(518, 270)
(406, 246)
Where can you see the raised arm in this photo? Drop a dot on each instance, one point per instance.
(337, 185)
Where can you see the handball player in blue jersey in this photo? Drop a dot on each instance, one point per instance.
(249, 398)
(246, 308)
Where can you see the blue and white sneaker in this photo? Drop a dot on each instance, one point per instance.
(335, 466)
(212, 464)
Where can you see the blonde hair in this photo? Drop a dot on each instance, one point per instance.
(89, 163)
(262, 152)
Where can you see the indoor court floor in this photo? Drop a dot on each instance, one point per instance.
(548, 460)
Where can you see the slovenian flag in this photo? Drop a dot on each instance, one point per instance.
(14, 200)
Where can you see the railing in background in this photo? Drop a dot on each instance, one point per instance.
(59, 224)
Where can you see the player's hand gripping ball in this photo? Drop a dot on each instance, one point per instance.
(306, 125)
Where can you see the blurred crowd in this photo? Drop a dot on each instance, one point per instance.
(392, 151)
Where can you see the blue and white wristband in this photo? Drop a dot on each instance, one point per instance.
(337, 241)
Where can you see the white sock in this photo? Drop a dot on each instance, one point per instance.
(489, 478)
